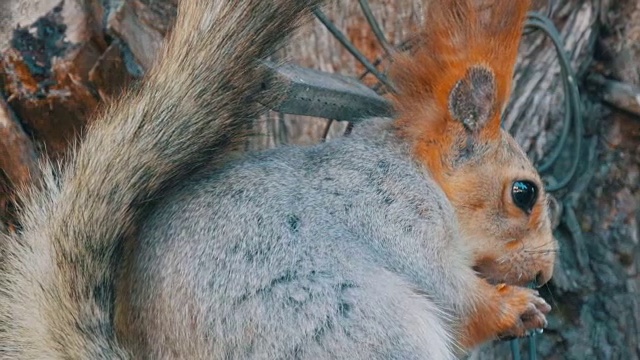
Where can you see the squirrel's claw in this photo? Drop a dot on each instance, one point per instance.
(532, 318)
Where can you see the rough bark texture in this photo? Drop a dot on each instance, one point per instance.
(55, 75)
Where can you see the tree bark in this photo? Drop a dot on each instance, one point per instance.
(51, 87)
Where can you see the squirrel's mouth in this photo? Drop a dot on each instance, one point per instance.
(522, 267)
(494, 273)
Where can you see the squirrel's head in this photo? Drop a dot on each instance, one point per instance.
(503, 212)
(451, 94)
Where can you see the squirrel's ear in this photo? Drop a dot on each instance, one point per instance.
(472, 101)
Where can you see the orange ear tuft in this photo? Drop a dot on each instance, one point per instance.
(456, 84)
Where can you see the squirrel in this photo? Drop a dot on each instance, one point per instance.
(413, 237)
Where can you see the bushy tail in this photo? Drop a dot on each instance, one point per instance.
(57, 284)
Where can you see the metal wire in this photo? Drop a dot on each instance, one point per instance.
(352, 49)
(375, 26)
(533, 347)
(573, 114)
(515, 349)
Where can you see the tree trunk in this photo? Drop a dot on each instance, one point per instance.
(54, 73)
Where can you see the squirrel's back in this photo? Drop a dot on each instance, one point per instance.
(298, 252)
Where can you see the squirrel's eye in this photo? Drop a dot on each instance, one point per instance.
(524, 194)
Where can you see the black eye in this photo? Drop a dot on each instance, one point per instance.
(524, 194)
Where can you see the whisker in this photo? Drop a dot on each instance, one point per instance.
(552, 299)
(548, 243)
(544, 251)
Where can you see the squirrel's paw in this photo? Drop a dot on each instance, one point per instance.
(528, 307)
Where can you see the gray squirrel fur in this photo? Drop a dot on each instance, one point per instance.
(320, 271)
(156, 243)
